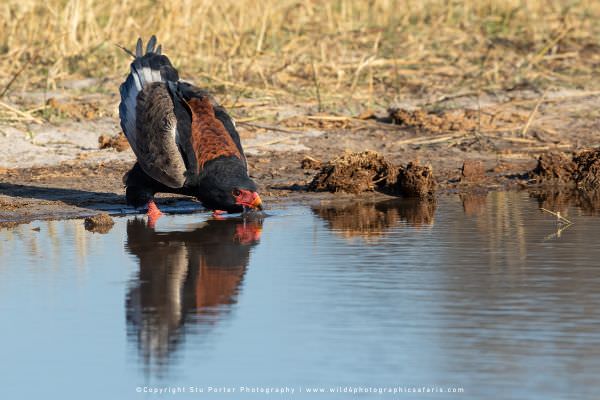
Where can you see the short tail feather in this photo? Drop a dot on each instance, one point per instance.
(146, 68)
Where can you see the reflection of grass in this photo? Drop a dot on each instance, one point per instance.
(361, 52)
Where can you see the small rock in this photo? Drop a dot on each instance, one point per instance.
(118, 142)
(472, 171)
(101, 223)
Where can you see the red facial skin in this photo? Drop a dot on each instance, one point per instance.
(244, 198)
(247, 198)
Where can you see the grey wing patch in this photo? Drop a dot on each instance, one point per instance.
(155, 145)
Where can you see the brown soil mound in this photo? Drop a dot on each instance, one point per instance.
(582, 171)
(588, 169)
(118, 142)
(369, 171)
(353, 173)
(415, 181)
(553, 169)
(101, 223)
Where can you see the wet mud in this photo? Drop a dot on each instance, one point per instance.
(71, 164)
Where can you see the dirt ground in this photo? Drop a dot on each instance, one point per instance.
(71, 165)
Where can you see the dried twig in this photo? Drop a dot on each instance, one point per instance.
(14, 78)
(21, 113)
(557, 215)
(269, 127)
(437, 139)
(532, 115)
(316, 82)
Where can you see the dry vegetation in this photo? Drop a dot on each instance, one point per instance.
(333, 55)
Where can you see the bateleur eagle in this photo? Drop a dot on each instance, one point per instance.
(184, 141)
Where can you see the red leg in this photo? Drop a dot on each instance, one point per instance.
(217, 214)
(153, 214)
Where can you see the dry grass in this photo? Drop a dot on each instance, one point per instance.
(332, 54)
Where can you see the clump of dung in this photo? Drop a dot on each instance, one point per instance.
(557, 169)
(554, 169)
(587, 175)
(353, 173)
(370, 171)
(101, 223)
(415, 180)
(118, 142)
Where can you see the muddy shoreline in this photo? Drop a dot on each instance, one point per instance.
(79, 190)
(73, 168)
(71, 191)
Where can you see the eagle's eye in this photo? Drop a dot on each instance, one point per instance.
(236, 192)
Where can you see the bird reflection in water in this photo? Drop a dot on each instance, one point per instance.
(187, 281)
(370, 220)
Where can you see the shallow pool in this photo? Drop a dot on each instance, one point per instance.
(480, 296)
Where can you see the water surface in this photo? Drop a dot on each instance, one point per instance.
(485, 294)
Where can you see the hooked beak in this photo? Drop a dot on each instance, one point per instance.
(257, 202)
